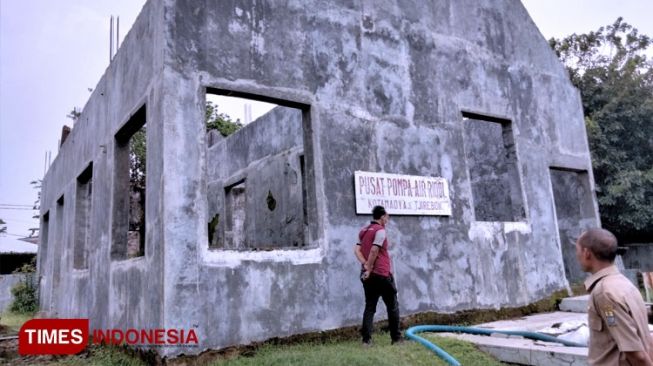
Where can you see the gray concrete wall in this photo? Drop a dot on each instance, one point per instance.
(111, 293)
(492, 165)
(574, 202)
(639, 257)
(385, 83)
(382, 86)
(264, 158)
(7, 282)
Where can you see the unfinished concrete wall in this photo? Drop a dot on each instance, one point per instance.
(382, 86)
(255, 184)
(492, 163)
(78, 276)
(575, 213)
(639, 257)
(7, 282)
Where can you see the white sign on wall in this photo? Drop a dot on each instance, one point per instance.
(402, 194)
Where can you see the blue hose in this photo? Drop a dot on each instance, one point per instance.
(410, 333)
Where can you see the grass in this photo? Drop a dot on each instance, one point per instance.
(578, 289)
(306, 354)
(101, 356)
(333, 353)
(14, 321)
(352, 353)
(94, 355)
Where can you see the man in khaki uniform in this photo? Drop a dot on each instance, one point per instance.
(617, 316)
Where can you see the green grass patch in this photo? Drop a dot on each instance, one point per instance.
(13, 321)
(465, 352)
(352, 353)
(102, 356)
(330, 353)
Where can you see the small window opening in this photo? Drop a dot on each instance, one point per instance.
(43, 244)
(130, 164)
(259, 143)
(492, 162)
(82, 227)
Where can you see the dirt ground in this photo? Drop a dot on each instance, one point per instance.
(9, 354)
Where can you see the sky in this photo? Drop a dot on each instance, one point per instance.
(52, 52)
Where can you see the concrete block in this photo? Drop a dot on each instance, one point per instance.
(577, 304)
(525, 351)
(535, 322)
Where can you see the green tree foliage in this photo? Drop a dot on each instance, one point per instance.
(137, 159)
(25, 292)
(74, 114)
(36, 184)
(137, 173)
(137, 147)
(615, 79)
(25, 300)
(220, 121)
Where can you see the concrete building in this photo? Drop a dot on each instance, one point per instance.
(250, 237)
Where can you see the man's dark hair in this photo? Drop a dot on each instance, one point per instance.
(378, 212)
(601, 242)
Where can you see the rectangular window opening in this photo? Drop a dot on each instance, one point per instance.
(302, 167)
(235, 202)
(574, 205)
(82, 228)
(60, 225)
(43, 244)
(263, 145)
(129, 189)
(493, 168)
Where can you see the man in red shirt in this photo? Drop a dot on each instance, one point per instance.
(376, 275)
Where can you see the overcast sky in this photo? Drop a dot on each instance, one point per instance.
(51, 52)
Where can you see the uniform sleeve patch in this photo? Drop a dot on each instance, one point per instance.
(608, 314)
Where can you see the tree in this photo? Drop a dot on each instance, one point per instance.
(213, 119)
(3, 226)
(36, 184)
(220, 121)
(137, 173)
(615, 79)
(25, 292)
(74, 114)
(137, 158)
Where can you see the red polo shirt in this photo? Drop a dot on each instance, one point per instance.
(366, 236)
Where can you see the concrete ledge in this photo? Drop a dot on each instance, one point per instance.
(577, 304)
(525, 351)
(535, 323)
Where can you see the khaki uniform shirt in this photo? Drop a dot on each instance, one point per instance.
(617, 318)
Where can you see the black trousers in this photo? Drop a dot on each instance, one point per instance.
(378, 286)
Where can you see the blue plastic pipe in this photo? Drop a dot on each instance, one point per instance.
(411, 334)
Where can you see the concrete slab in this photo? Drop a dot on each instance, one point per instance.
(535, 322)
(525, 351)
(577, 304)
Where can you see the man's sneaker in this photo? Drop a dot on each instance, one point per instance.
(367, 344)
